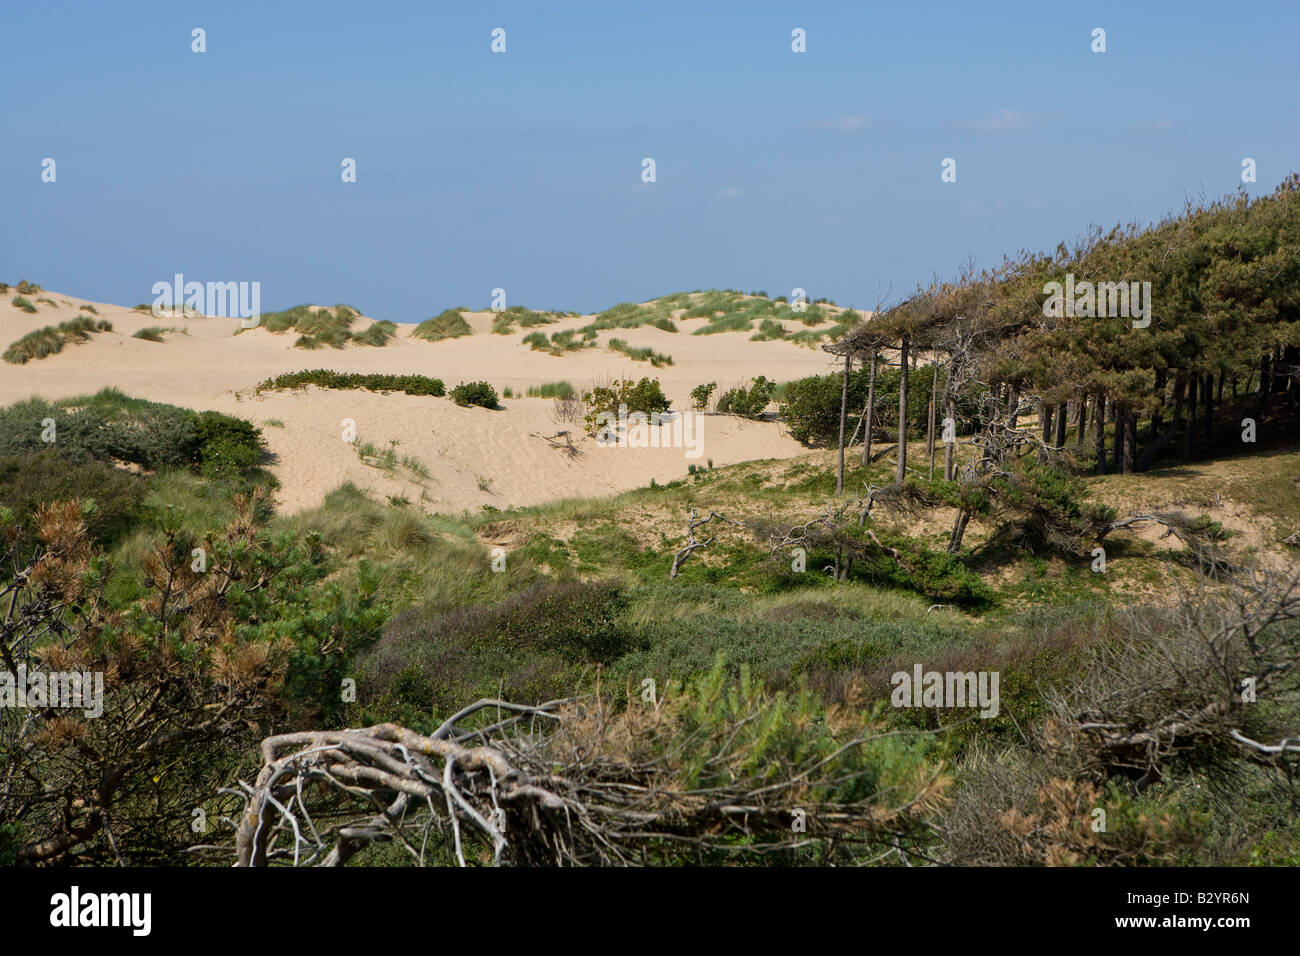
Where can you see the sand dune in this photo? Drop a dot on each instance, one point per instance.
(474, 456)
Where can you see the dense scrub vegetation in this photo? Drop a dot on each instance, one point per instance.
(475, 393)
(686, 668)
(374, 382)
(1216, 342)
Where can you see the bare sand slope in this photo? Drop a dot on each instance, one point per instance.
(473, 456)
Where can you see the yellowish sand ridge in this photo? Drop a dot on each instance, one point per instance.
(474, 456)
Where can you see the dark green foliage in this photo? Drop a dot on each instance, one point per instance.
(226, 445)
(475, 393)
(324, 378)
(811, 409)
(111, 427)
(44, 477)
(747, 402)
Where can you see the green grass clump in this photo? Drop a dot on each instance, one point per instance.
(811, 338)
(153, 333)
(374, 382)
(28, 288)
(552, 390)
(90, 308)
(769, 330)
(630, 315)
(23, 303)
(326, 328)
(657, 359)
(505, 321)
(727, 323)
(558, 343)
(448, 324)
(378, 335)
(52, 338)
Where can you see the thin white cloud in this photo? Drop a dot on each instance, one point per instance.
(1002, 120)
(731, 192)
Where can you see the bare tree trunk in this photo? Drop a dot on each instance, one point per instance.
(1193, 381)
(871, 411)
(1045, 419)
(929, 435)
(958, 530)
(950, 448)
(902, 412)
(844, 408)
(1207, 390)
(1158, 416)
(1100, 437)
(1083, 423)
(1129, 424)
(1060, 426)
(1265, 383)
(1117, 461)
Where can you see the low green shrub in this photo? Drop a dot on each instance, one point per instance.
(374, 382)
(645, 396)
(475, 393)
(112, 427)
(747, 402)
(701, 394)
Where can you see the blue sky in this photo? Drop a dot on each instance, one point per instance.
(522, 170)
